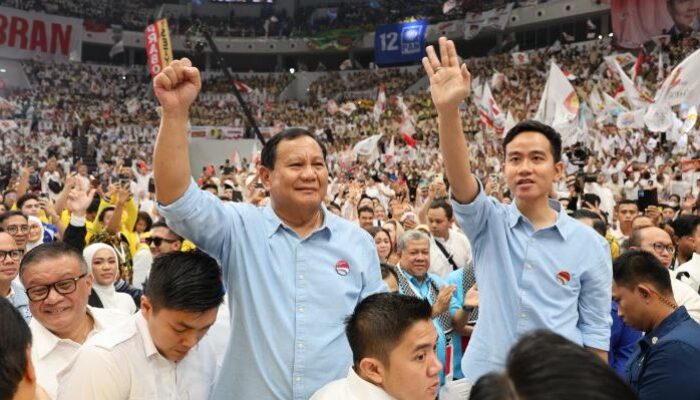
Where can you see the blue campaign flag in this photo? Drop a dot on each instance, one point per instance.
(400, 43)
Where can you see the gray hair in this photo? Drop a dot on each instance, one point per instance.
(410, 236)
(51, 251)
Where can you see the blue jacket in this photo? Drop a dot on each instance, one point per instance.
(623, 342)
(665, 363)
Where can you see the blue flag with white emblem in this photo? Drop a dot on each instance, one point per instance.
(400, 43)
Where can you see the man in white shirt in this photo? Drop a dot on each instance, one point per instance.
(58, 286)
(658, 242)
(689, 272)
(449, 249)
(393, 340)
(627, 211)
(157, 353)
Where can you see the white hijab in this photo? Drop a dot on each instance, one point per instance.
(36, 220)
(107, 294)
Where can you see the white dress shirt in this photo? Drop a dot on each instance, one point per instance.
(124, 363)
(351, 388)
(50, 354)
(456, 244)
(686, 296)
(692, 267)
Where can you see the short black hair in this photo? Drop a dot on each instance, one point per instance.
(441, 203)
(164, 224)
(9, 214)
(639, 266)
(268, 155)
(365, 209)
(101, 217)
(146, 218)
(530, 125)
(591, 198)
(15, 339)
(598, 224)
(685, 225)
(625, 201)
(25, 198)
(185, 281)
(210, 186)
(379, 322)
(545, 365)
(388, 269)
(51, 250)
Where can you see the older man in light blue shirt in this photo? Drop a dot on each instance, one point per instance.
(293, 270)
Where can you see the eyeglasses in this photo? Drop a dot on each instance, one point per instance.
(659, 247)
(64, 287)
(15, 255)
(13, 229)
(157, 241)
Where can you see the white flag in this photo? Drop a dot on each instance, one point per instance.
(510, 122)
(682, 84)
(391, 151)
(348, 108)
(559, 99)
(118, 48)
(691, 119)
(633, 96)
(520, 58)
(631, 119)
(596, 101)
(367, 148)
(380, 104)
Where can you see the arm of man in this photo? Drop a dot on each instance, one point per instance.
(450, 84)
(176, 87)
(595, 302)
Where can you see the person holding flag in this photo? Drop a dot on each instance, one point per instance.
(536, 267)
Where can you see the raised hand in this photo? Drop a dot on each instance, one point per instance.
(442, 303)
(450, 83)
(177, 86)
(79, 201)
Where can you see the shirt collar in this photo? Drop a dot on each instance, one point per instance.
(149, 349)
(44, 341)
(274, 223)
(664, 328)
(562, 224)
(361, 389)
(413, 279)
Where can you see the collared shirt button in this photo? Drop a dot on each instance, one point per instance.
(298, 379)
(528, 266)
(300, 345)
(301, 309)
(523, 315)
(301, 276)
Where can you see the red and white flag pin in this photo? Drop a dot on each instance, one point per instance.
(342, 267)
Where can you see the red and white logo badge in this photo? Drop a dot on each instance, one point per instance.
(563, 277)
(342, 267)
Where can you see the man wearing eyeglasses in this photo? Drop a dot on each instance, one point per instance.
(163, 239)
(13, 291)
(58, 286)
(17, 225)
(658, 242)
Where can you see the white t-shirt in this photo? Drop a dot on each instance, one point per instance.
(458, 245)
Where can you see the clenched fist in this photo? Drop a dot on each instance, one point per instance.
(177, 86)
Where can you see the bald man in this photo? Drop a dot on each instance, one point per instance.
(10, 288)
(658, 242)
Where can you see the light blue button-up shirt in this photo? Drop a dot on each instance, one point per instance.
(557, 278)
(289, 296)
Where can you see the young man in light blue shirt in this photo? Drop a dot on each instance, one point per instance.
(293, 270)
(535, 266)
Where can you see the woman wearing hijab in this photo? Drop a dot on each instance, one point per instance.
(102, 262)
(36, 232)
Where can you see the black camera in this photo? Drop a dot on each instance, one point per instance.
(578, 155)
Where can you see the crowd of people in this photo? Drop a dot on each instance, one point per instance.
(510, 253)
(307, 22)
